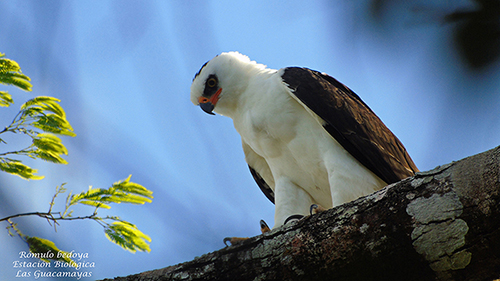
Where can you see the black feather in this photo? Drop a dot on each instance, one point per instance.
(352, 123)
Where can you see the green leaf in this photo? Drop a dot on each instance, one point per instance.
(95, 203)
(93, 197)
(50, 148)
(49, 142)
(127, 236)
(49, 157)
(15, 167)
(46, 103)
(46, 250)
(5, 99)
(10, 74)
(48, 114)
(134, 190)
(54, 124)
(120, 192)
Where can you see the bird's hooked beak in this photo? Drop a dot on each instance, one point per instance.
(208, 104)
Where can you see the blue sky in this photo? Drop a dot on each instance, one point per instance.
(123, 69)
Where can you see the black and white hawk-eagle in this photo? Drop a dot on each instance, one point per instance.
(307, 138)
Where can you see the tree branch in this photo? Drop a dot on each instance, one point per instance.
(49, 216)
(438, 225)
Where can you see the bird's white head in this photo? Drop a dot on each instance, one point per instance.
(219, 83)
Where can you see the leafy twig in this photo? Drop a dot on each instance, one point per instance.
(119, 231)
(42, 118)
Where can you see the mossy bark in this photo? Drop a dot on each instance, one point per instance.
(442, 224)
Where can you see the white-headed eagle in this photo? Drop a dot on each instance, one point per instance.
(307, 138)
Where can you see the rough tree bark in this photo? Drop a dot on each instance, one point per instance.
(442, 224)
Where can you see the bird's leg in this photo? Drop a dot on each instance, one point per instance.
(291, 202)
(237, 240)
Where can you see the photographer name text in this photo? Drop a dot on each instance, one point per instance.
(59, 268)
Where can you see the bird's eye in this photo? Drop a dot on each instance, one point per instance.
(211, 82)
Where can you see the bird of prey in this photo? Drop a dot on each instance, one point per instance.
(307, 138)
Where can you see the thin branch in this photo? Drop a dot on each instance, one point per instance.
(8, 128)
(26, 151)
(59, 189)
(14, 227)
(24, 215)
(50, 216)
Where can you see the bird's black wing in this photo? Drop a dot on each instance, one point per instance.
(352, 123)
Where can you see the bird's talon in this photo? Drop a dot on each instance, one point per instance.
(234, 240)
(315, 209)
(263, 227)
(293, 217)
(227, 239)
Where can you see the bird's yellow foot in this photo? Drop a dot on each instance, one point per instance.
(237, 240)
(315, 209)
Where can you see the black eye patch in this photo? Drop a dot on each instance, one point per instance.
(211, 85)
